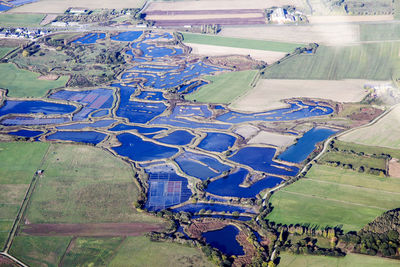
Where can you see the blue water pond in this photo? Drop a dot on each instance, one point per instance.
(34, 107)
(166, 189)
(225, 240)
(217, 142)
(81, 136)
(136, 111)
(229, 186)
(26, 133)
(195, 208)
(260, 159)
(91, 100)
(90, 38)
(305, 145)
(200, 166)
(297, 110)
(179, 137)
(127, 36)
(137, 149)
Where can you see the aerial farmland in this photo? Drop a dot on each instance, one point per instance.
(199, 133)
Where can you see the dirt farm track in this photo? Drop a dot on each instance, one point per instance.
(92, 229)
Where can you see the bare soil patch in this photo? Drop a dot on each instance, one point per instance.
(49, 18)
(275, 139)
(394, 168)
(347, 19)
(246, 131)
(6, 262)
(268, 94)
(366, 114)
(203, 16)
(49, 77)
(12, 42)
(91, 229)
(213, 50)
(217, 5)
(329, 34)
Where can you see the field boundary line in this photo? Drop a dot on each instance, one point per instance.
(24, 205)
(17, 261)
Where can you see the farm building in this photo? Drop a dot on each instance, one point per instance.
(281, 16)
(78, 11)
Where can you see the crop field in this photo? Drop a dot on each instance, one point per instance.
(239, 43)
(220, 5)
(366, 149)
(355, 160)
(23, 83)
(384, 133)
(326, 34)
(330, 196)
(40, 250)
(214, 50)
(83, 184)
(348, 19)
(224, 87)
(379, 32)
(18, 164)
(147, 253)
(22, 20)
(4, 50)
(269, 93)
(350, 260)
(91, 251)
(59, 6)
(377, 61)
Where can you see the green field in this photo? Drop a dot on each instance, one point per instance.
(370, 150)
(224, 88)
(140, 251)
(40, 250)
(378, 61)
(335, 197)
(239, 43)
(5, 50)
(350, 260)
(355, 160)
(379, 32)
(18, 164)
(23, 83)
(83, 184)
(21, 20)
(383, 133)
(91, 251)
